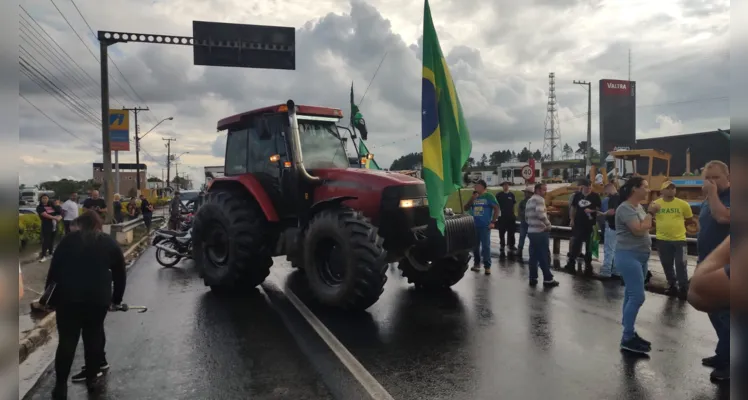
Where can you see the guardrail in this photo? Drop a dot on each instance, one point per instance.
(123, 232)
(559, 233)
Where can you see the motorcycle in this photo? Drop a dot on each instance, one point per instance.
(172, 246)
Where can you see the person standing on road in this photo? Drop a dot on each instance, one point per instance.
(175, 211)
(146, 209)
(48, 215)
(633, 247)
(610, 204)
(585, 206)
(117, 208)
(714, 228)
(133, 212)
(507, 220)
(527, 192)
(670, 225)
(95, 203)
(539, 227)
(485, 211)
(87, 264)
(69, 211)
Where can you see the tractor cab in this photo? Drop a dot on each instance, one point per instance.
(652, 165)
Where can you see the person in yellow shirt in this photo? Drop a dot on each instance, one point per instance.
(670, 224)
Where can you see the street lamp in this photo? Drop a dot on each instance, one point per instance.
(137, 150)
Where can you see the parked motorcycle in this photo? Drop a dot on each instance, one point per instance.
(172, 246)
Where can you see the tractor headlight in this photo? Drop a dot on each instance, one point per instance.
(410, 203)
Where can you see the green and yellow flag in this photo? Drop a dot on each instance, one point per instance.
(445, 135)
(363, 151)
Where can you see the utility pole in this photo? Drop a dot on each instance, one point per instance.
(135, 111)
(168, 160)
(589, 121)
(106, 144)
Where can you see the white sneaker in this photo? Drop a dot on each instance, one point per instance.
(43, 259)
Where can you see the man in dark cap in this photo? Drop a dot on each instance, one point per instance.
(585, 206)
(507, 219)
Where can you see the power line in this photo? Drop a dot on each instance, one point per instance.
(88, 48)
(48, 86)
(98, 150)
(112, 60)
(62, 51)
(48, 54)
(80, 102)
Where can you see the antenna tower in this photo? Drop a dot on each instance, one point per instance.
(552, 137)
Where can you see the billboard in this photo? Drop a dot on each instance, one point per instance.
(119, 130)
(617, 115)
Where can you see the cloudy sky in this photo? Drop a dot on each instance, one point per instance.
(499, 52)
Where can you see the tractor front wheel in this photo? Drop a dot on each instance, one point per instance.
(344, 260)
(230, 244)
(438, 274)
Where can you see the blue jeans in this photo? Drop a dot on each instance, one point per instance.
(539, 242)
(632, 266)
(608, 267)
(721, 323)
(482, 249)
(522, 236)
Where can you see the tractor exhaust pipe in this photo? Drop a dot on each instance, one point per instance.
(296, 143)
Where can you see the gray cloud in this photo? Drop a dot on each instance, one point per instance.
(500, 71)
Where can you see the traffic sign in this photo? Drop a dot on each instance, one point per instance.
(119, 130)
(246, 46)
(527, 172)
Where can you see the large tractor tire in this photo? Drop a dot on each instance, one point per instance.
(230, 244)
(344, 260)
(439, 274)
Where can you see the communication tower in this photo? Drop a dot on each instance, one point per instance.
(552, 138)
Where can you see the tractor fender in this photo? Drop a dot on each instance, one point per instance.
(328, 203)
(247, 183)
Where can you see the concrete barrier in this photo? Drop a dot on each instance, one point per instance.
(123, 232)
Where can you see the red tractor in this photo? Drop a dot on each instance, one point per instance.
(289, 190)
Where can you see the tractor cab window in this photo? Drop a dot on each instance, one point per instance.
(236, 152)
(321, 145)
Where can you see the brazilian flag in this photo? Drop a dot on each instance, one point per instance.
(363, 152)
(445, 136)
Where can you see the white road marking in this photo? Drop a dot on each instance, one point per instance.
(369, 383)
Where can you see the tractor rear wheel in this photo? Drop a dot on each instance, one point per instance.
(230, 244)
(439, 274)
(344, 260)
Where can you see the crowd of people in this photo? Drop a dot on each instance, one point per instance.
(625, 225)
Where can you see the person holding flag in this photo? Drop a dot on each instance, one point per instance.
(358, 123)
(445, 136)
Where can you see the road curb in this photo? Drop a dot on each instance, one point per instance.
(39, 335)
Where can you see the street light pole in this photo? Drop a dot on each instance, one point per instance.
(137, 141)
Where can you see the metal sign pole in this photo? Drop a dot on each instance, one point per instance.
(116, 171)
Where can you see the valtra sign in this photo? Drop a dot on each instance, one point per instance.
(616, 88)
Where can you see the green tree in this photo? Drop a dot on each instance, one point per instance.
(537, 155)
(154, 179)
(483, 160)
(407, 162)
(524, 155)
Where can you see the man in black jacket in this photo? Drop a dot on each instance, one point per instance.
(585, 206)
(84, 267)
(507, 219)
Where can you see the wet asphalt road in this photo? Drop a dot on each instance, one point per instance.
(490, 338)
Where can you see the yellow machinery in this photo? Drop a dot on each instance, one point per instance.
(652, 165)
